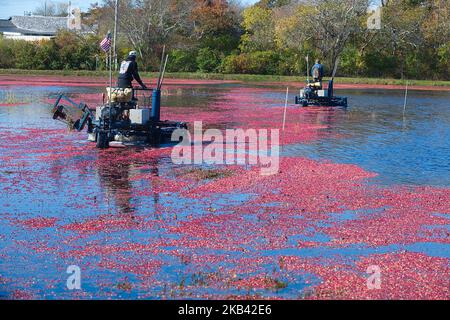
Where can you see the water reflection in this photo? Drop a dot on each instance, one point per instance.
(116, 181)
(373, 133)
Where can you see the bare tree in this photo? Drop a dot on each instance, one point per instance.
(150, 24)
(327, 25)
(52, 9)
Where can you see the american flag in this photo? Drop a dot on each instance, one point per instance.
(106, 43)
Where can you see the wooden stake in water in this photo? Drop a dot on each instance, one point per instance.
(336, 64)
(307, 68)
(406, 99)
(285, 107)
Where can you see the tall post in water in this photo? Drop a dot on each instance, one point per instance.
(406, 100)
(307, 68)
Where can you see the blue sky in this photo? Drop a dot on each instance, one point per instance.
(14, 7)
(17, 8)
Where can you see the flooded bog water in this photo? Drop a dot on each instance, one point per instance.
(403, 148)
(356, 187)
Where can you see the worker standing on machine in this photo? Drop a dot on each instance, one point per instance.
(129, 72)
(317, 72)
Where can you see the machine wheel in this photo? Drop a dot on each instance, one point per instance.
(102, 140)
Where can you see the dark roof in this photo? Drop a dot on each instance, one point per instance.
(9, 26)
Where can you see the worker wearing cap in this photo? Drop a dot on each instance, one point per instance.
(317, 71)
(129, 72)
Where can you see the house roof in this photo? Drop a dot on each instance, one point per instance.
(36, 25)
(40, 23)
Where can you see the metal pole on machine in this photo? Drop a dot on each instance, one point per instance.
(156, 97)
(163, 73)
(161, 66)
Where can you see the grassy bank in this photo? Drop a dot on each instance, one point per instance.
(238, 77)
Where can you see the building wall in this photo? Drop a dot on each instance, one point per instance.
(18, 36)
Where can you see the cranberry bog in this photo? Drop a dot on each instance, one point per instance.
(360, 193)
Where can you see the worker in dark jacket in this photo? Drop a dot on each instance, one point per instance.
(317, 71)
(129, 72)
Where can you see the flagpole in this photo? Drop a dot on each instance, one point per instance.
(110, 87)
(110, 73)
(106, 46)
(116, 14)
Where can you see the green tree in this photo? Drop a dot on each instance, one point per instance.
(7, 57)
(208, 60)
(47, 56)
(443, 53)
(183, 61)
(76, 52)
(25, 54)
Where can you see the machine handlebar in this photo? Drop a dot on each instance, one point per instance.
(142, 89)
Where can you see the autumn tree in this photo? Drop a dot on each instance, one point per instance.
(259, 29)
(216, 25)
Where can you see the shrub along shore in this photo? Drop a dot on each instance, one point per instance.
(229, 77)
